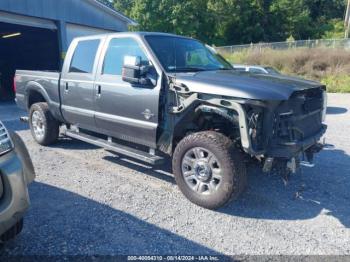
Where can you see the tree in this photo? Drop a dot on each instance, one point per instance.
(181, 17)
(335, 29)
(225, 22)
(329, 9)
(290, 17)
(234, 21)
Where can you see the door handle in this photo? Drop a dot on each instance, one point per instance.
(98, 93)
(66, 89)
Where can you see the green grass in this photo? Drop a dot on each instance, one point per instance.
(337, 84)
(329, 66)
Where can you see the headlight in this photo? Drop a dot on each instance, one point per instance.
(325, 101)
(5, 141)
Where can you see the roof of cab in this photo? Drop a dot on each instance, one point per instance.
(140, 34)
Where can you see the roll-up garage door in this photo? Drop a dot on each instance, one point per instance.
(74, 30)
(27, 21)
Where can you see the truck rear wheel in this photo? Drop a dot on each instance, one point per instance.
(44, 127)
(208, 169)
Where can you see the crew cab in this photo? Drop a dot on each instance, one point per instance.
(148, 95)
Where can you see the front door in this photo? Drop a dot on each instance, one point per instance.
(122, 110)
(77, 83)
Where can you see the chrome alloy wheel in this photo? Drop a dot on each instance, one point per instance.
(201, 170)
(38, 125)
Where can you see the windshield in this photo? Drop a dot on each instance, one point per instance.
(178, 54)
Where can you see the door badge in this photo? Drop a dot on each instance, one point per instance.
(148, 114)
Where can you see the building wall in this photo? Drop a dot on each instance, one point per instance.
(54, 22)
(82, 12)
(68, 16)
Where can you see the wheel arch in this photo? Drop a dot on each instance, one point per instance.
(184, 120)
(36, 93)
(200, 118)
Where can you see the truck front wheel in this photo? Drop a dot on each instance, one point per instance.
(208, 169)
(44, 127)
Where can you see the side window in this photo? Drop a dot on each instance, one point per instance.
(84, 56)
(119, 48)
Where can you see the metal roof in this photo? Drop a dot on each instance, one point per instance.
(113, 12)
(81, 12)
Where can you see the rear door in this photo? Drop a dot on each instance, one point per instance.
(122, 110)
(77, 81)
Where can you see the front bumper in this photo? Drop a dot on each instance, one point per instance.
(16, 171)
(292, 149)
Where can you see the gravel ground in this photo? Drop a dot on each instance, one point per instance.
(89, 201)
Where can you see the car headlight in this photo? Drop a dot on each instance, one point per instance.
(6, 144)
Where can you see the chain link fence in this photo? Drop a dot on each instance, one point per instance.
(324, 43)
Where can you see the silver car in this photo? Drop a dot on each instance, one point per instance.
(16, 173)
(256, 69)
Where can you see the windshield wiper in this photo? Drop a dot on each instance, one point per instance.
(188, 69)
(197, 69)
(225, 69)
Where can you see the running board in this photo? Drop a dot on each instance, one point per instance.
(117, 148)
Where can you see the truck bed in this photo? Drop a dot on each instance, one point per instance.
(45, 81)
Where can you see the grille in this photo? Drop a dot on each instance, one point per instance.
(310, 100)
(5, 141)
(301, 116)
(307, 126)
(1, 187)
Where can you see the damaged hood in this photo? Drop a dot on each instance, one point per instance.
(244, 85)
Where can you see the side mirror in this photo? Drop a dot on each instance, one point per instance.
(134, 72)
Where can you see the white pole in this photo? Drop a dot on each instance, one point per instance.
(347, 20)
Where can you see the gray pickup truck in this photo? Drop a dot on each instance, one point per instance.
(153, 95)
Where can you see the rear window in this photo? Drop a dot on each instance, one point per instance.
(84, 56)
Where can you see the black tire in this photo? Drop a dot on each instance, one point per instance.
(13, 231)
(50, 126)
(227, 159)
